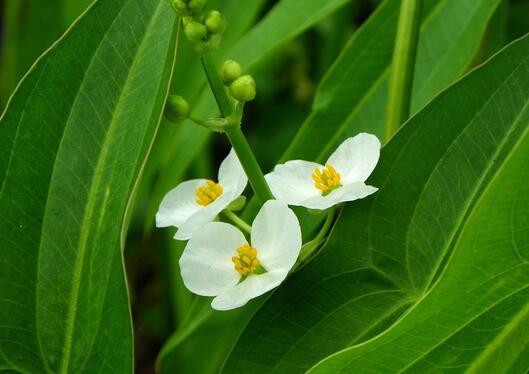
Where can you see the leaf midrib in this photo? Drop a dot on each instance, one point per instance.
(522, 315)
(349, 362)
(83, 241)
(313, 286)
(330, 314)
(488, 176)
(74, 294)
(460, 328)
(92, 58)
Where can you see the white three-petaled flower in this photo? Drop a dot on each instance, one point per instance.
(219, 261)
(196, 202)
(315, 186)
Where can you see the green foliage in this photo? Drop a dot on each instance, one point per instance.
(445, 239)
(31, 27)
(73, 140)
(285, 21)
(352, 96)
(429, 274)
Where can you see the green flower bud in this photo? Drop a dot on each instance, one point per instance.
(214, 41)
(230, 71)
(195, 31)
(215, 23)
(186, 20)
(196, 6)
(176, 108)
(180, 6)
(243, 88)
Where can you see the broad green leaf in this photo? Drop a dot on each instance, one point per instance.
(352, 96)
(452, 183)
(73, 141)
(286, 20)
(31, 27)
(476, 316)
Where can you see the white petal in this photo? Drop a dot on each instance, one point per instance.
(179, 204)
(204, 215)
(350, 192)
(206, 265)
(231, 175)
(253, 286)
(292, 182)
(356, 158)
(277, 236)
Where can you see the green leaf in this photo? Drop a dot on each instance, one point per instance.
(30, 28)
(444, 240)
(73, 141)
(352, 96)
(285, 21)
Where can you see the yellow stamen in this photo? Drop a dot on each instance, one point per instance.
(326, 180)
(246, 262)
(208, 193)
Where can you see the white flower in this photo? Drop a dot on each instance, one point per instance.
(196, 202)
(315, 186)
(219, 261)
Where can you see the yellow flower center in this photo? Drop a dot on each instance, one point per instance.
(326, 180)
(246, 262)
(208, 193)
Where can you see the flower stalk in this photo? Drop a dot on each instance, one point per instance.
(221, 97)
(237, 221)
(235, 134)
(404, 56)
(308, 249)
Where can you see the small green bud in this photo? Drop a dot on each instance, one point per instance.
(176, 108)
(186, 20)
(215, 23)
(243, 88)
(230, 71)
(195, 31)
(180, 6)
(196, 6)
(214, 41)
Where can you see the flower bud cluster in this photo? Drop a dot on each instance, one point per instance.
(203, 29)
(242, 87)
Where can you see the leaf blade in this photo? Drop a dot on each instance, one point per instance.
(351, 97)
(63, 183)
(432, 177)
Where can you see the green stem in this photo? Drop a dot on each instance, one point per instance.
(235, 135)
(308, 248)
(404, 57)
(223, 101)
(237, 221)
(249, 164)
